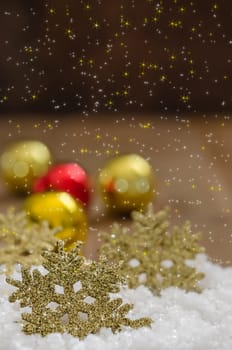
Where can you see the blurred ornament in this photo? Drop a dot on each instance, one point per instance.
(127, 183)
(60, 209)
(22, 162)
(70, 178)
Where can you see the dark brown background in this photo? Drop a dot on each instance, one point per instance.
(37, 55)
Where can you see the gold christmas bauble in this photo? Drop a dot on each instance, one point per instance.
(127, 183)
(22, 162)
(59, 209)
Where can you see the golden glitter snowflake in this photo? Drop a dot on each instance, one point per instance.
(72, 296)
(152, 254)
(22, 241)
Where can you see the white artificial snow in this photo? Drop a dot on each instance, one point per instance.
(182, 321)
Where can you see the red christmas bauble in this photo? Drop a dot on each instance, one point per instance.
(69, 177)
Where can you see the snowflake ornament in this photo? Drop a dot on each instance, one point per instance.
(153, 255)
(22, 241)
(72, 296)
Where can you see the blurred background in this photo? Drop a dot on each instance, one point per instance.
(94, 79)
(128, 55)
(190, 157)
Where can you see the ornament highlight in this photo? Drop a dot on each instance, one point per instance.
(70, 177)
(59, 209)
(127, 183)
(22, 162)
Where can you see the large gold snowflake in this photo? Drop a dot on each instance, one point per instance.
(72, 296)
(152, 254)
(22, 241)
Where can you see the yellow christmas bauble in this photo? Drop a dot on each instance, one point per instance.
(127, 183)
(60, 209)
(22, 162)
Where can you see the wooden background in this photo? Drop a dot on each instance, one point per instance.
(190, 155)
